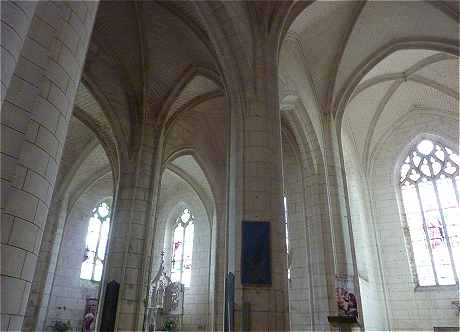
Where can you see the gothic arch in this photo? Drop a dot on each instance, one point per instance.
(366, 66)
(172, 202)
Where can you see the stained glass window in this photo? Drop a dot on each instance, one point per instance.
(182, 249)
(96, 243)
(429, 186)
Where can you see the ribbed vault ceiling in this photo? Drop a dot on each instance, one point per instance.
(368, 61)
(188, 166)
(139, 51)
(182, 175)
(84, 161)
(404, 81)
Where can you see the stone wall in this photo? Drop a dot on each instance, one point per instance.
(411, 307)
(68, 291)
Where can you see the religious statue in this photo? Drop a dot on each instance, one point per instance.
(89, 318)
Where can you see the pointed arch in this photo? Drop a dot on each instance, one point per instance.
(343, 96)
(191, 74)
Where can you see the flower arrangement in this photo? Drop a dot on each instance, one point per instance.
(169, 325)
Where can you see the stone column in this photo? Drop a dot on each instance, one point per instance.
(131, 232)
(217, 268)
(46, 265)
(257, 194)
(337, 209)
(16, 20)
(343, 250)
(35, 114)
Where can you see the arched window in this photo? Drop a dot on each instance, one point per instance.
(96, 243)
(182, 249)
(287, 235)
(429, 186)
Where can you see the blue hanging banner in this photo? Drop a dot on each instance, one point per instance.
(255, 255)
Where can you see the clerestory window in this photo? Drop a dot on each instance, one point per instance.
(429, 186)
(96, 243)
(182, 249)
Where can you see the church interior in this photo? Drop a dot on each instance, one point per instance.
(230, 165)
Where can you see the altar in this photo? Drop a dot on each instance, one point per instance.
(165, 303)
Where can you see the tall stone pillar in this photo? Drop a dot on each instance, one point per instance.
(343, 250)
(256, 195)
(35, 114)
(131, 233)
(16, 20)
(47, 260)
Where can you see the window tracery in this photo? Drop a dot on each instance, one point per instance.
(429, 183)
(96, 243)
(182, 249)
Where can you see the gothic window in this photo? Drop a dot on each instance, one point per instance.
(287, 235)
(182, 249)
(429, 186)
(96, 243)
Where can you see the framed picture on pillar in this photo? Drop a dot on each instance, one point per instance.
(255, 253)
